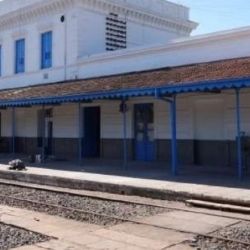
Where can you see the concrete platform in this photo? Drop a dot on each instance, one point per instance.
(69, 234)
(219, 188)
(189, 222)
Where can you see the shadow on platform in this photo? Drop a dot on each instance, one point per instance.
(204, 175)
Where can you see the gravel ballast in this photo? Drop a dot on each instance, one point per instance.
(12, 237)
(88, 204)
(205, 243)
(239, 232)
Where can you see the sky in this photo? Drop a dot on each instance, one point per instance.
(217, 15)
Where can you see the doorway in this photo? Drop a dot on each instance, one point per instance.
(49, 138)
(45, 133)
(144, 132)
(92, 133)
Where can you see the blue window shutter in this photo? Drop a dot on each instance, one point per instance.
(46, 46)
(20, 56)
(42, 52)
(16, 58)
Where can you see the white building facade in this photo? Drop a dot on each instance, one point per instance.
(81, 29)
(71, 68)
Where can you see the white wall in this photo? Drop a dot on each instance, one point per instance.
(85, 29)
(169, 55)
(209, 116)
(65, 121)
(139, 35)
(26, 122)
(91, 32)
(112, 121)
(230, 116)
(6, 120)
(200, 117)
(32, 35)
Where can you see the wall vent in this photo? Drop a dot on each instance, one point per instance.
(116, 32)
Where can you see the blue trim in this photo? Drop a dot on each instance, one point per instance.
(212, 85)
(125, 147)
(43, 134)
(174, 137)
(13, 130)
(133, 92)
(239, 149)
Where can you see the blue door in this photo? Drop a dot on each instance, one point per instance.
(144, 132)
(91, 141)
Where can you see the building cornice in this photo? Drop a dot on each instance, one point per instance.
(140, 14)
(46, 7)
(29, 13)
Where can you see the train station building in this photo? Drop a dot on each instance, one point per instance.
(124, 81)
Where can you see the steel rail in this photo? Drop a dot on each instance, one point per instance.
(116, 218)
(55, 190)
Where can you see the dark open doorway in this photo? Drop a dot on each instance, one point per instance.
(92, 133)
(49, 139)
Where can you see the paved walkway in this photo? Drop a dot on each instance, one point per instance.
(168, 230)
(74, 235)
(238, 192)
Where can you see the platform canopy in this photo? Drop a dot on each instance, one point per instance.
(211, 76)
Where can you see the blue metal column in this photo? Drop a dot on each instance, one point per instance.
(125, 146)
(239, 149)
(174, 137)
(43, 134)
(80, 133)
(13, 130)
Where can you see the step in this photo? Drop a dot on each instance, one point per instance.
(219, 206)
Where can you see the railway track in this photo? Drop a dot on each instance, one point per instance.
(103, 218)
(115, 219)
(121, 199)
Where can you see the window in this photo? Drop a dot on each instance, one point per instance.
(116, 32)
(42, 117)
(20, 56)
(46, 50)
